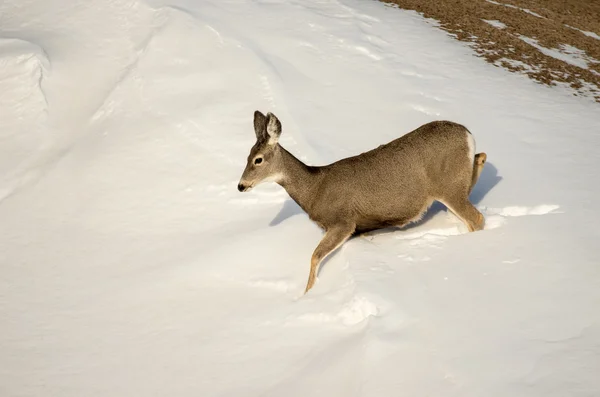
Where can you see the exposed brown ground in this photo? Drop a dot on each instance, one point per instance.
(502, 46)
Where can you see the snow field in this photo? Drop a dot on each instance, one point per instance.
(132, 266)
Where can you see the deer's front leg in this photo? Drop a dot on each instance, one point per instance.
(334, 237)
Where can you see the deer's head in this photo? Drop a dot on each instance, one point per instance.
(264, 158)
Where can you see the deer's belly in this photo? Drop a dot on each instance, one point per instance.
(380, 218)
(368, 226)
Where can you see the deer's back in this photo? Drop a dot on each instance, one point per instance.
(394, 183)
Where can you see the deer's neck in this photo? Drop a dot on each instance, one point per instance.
(298, 179)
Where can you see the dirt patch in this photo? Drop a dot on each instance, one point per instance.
(551, 41)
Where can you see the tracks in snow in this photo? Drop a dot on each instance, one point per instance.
(348, 306)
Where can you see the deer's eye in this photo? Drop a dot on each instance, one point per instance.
(258, 160)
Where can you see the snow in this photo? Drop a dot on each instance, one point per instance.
(566, 53)
(23, 107)
(495, 23)
(535, 14)
(589, 34)
(517, 64)
(131, 265)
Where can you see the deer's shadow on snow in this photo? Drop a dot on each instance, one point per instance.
(488, 179)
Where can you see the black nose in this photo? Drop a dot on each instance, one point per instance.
(241, 187)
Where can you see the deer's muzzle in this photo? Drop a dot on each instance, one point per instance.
(242, 187)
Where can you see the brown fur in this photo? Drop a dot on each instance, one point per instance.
(391, 185)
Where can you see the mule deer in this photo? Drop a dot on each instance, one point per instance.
(391, 185)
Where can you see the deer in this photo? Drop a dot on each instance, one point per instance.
(392, 185)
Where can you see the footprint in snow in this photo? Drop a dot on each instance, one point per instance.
(355, 311)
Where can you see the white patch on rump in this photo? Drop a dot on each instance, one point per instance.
(471, 146)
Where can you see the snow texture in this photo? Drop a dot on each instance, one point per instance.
(132, 266)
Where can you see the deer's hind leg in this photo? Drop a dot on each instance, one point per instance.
(334, 237)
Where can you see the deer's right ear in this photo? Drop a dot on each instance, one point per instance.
(273, 128)
(260, 125)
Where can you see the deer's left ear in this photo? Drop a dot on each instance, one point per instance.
(260, 126)
(273, 128)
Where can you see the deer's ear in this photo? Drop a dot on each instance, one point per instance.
(260, 126)
(273, 128)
